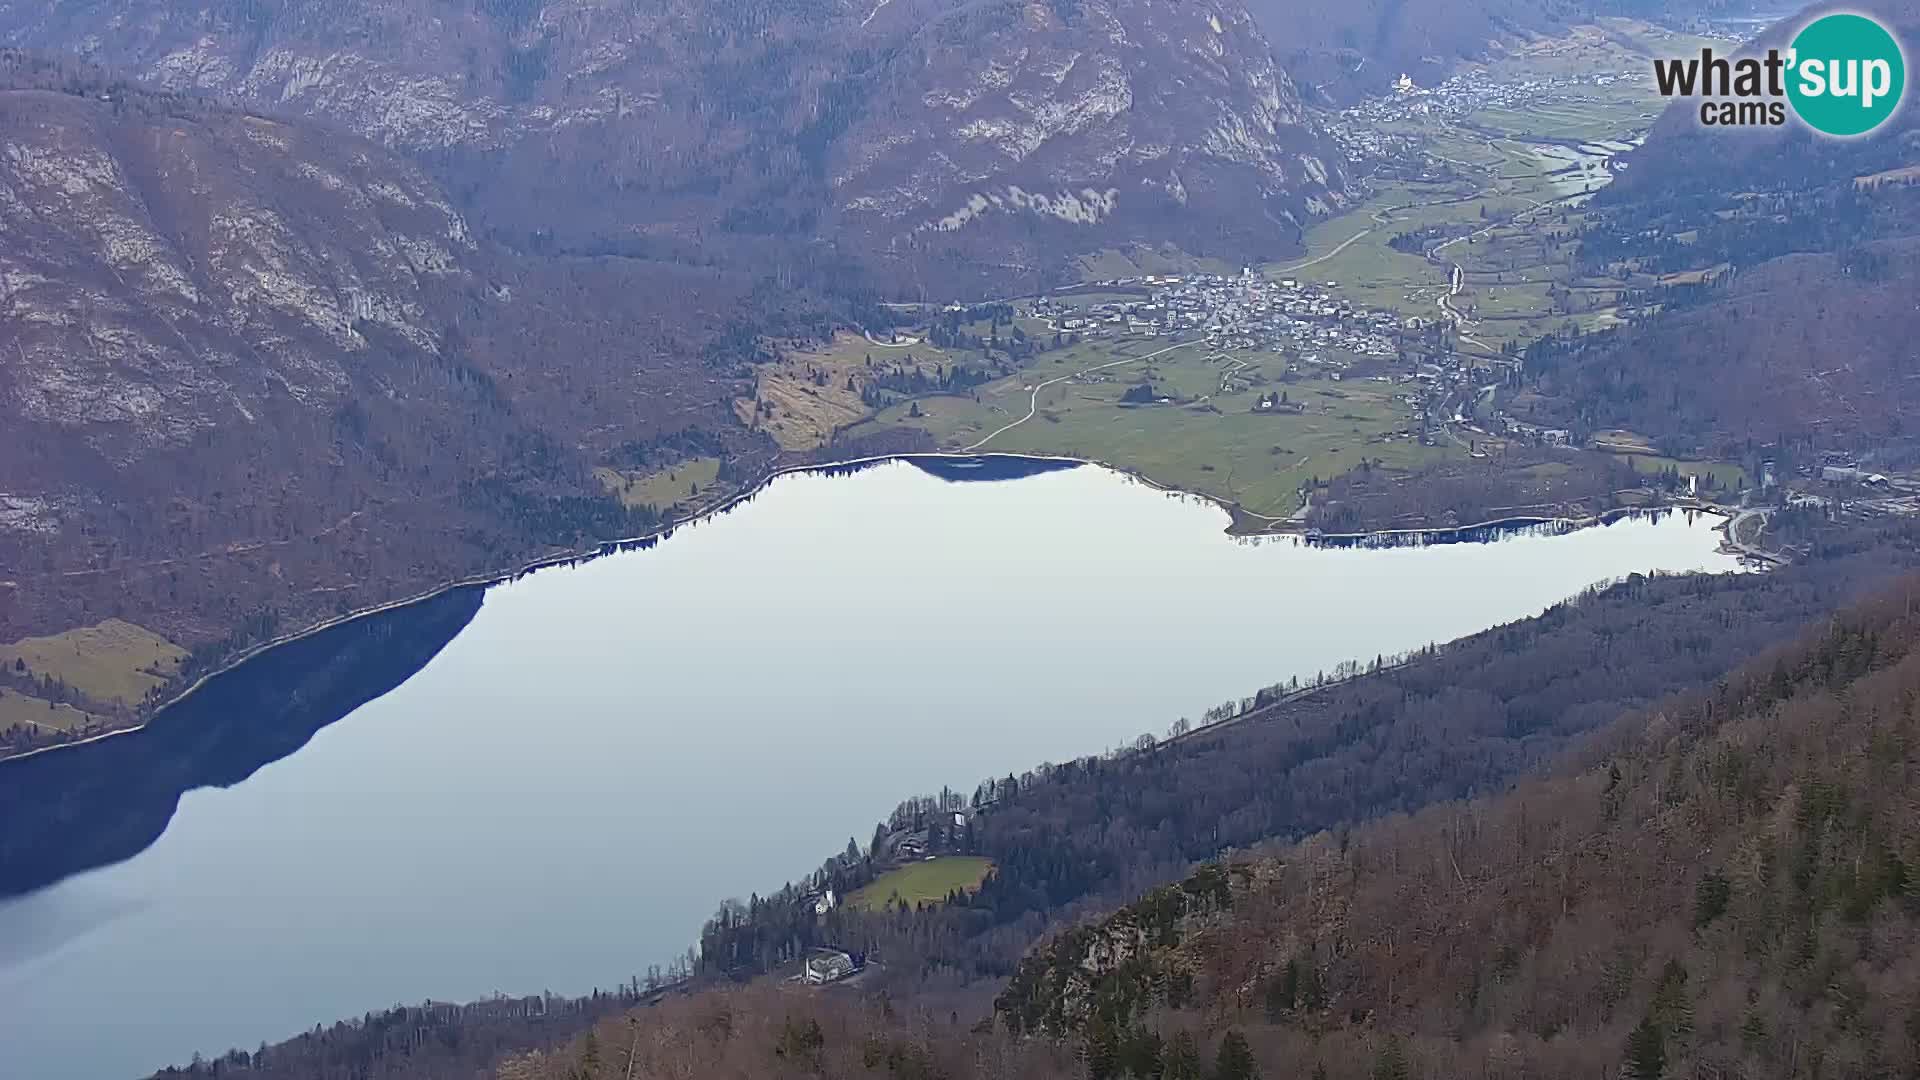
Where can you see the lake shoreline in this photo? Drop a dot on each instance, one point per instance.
(1235, 519)
(378, 776)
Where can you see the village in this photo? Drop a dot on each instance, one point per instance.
(1465, 94)
(1247, 311)
(1380, 131)
(1319, 333)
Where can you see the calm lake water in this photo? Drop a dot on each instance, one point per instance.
(601, 752)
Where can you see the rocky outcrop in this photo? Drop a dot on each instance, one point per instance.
(901, 125)
(256, 372)
(1121, 120)
(162, 277)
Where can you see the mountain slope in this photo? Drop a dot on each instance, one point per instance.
(1725, 889)
(252, 373)
(1146, 119)
(937, 130)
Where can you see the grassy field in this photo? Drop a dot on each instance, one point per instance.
(806, 397)
(922, 882)
(664, 488)
(115, 662)
(1352, 250)
(33, 712)
(1210, 440)
(1729, 475)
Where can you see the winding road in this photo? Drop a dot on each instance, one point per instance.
(1344, 245)
(1033, 403)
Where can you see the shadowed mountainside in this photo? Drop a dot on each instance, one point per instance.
(253, 374)
(74, 809)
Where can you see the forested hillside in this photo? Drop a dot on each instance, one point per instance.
(1720, 887)
(1464, 719)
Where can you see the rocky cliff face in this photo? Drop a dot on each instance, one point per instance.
(1002, 129)
(162, 276)
(254, 371)
(1124, 119)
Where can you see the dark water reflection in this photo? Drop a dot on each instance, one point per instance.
(89, 806)
(549, 783)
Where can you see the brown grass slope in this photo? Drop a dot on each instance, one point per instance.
(1726, 885)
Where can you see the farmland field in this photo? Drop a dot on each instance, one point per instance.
(33, 712)
(664, 488)
(1512, 178)
(805, 398)
(114, 662)
(931, 881)
(1208, 438)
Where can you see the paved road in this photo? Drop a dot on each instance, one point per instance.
(1033, 404)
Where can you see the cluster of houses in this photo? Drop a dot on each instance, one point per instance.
(1307, 321)
(1533, 433)
(1853, 491)
(1465, 94)
(1247, 311)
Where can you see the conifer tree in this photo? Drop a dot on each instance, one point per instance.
(1646, 1052)
(1235, 1060)
(1182, 1059)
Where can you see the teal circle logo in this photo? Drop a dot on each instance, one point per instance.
(1847, 75)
